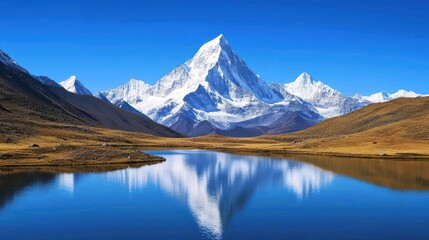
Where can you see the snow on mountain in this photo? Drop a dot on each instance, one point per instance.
(404, 94)
(130, 91)
(328, 101)
(126, 106)
(215, 90)
(73, 85)
(314, 91)
(384, 96)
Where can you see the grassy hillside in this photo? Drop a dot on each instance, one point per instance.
(402, 117)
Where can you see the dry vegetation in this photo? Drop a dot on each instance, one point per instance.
(399, 128)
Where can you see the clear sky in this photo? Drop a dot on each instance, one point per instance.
(355, 46)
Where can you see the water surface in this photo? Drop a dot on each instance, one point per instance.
(202, 194)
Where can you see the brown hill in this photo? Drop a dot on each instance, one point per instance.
(404, 117)
(398, 127)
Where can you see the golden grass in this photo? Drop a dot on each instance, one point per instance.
(70, 147)
(399, 128)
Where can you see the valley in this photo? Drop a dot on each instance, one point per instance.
(393, 130)
(213, 101)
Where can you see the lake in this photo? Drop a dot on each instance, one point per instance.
(198, 194)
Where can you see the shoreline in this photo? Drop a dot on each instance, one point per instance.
(404, 157)
(67, 146)
(76, 156)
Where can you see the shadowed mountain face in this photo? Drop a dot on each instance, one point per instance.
(25, 99)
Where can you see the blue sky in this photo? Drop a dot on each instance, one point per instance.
(354, 46)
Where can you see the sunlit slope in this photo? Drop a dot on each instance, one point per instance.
(405, 118)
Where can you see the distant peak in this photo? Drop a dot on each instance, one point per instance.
(221, 38)
(72, 78)
(73, 85)
(133, 80)
(136, 82)
(304, 78)
(402, 91)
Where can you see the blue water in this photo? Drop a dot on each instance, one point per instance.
(208, 195)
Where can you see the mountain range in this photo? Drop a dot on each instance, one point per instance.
(216, 92)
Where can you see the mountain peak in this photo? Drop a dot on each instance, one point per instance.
(71, 79)
(214, 48)
(137, 82)
(326, 99)
(73, 85)
(217, 41)
(385, 96)
(405, 93)
(305, 78)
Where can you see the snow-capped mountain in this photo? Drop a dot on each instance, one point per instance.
(384, 96)
(328, 101)
(73, 85)
(214, 91)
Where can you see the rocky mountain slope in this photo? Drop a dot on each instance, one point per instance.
(26, 101)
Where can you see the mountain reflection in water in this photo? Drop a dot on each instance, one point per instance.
(203, 194)
(216, 185)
